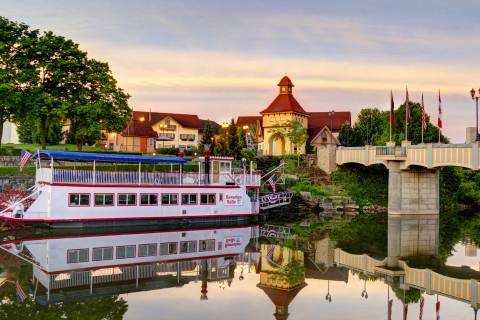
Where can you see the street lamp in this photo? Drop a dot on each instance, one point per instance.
(475, 97)
(328, 296)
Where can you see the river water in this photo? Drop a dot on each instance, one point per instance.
(245, 272)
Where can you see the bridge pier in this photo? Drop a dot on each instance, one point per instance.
(412, 236)
(413, 191)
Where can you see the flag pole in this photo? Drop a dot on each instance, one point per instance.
(423, 116)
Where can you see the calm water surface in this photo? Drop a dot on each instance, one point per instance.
(232, 272)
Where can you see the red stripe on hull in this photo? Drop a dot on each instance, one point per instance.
(129, 218)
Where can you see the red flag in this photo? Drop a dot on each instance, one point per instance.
(392, 111)
(422, 302)
(437, 310)
(407, 109)
(424, 116)
(439, 110)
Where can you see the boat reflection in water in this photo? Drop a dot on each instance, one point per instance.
(81, 267)
(300, 278)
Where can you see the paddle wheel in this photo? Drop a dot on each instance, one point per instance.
(14, 202)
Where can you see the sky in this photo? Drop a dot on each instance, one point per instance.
(222, 59)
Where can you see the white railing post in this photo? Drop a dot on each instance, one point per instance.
(139, 173)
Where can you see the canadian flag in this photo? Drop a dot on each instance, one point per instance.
(439, 110)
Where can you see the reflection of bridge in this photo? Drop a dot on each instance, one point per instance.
(466, 290)
(413, 186)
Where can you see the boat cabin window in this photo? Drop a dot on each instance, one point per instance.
(77, 255)
(208, 198)
(188, 246)
(79, 199)
(103, 199)
(105, 253)
(127, 199)
(206, 245)
(168, 248)
(125, 252)
(147, 250)
(149, 199)
(225, 166)
(169, 198)
(189, 198)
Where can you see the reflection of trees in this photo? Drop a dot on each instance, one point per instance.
(412, 295)
(293, 272)
(366, 233)
(104, 308)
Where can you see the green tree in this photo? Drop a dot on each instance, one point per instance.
(241, 140)
(231, 140)
(13, 37)
(348, 136)
(28, 131)
(298, 136)
(372, 126)
(97, 104)
(207, 137)
(415, 127)
(51, 64)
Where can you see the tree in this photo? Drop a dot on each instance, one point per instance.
(372, 126)
(348, 136)
(207, 137)
(298, 136)
(13, 37)
(96, 104)
(28, 131)
(51, 65)
(241, 140)
(231, 140)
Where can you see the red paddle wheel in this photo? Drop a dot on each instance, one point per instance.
(10, 197)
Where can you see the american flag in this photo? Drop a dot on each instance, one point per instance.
(21, 295)
(271, 182)
(439, 110)
(270, 252)
(422, 302)
(24, 157)
(424, 116)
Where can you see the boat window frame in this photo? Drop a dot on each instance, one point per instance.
(78, 255)
(208, 203)
(169, 198)
(188, 241)
(126, 205)
(207, 250)
(125, 246)
(148, 194)
(104, 194)
(168, 248)
(102, 248)
(79, 194)
(189, 194)
(148, 255)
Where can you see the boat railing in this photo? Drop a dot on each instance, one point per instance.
(101, 177)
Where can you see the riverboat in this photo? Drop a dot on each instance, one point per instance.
(76, 267)
(67, 194)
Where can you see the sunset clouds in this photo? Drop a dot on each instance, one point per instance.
(204, 56)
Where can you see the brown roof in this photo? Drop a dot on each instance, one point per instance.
(318, 120)
(285, 81)
(139, 129)
(248, 120)
(186, 120)
(285, 101)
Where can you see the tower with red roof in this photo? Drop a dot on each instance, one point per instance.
(276, 118)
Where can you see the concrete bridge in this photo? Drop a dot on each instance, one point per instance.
(413, 183)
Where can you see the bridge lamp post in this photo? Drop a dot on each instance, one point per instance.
(475, 97)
